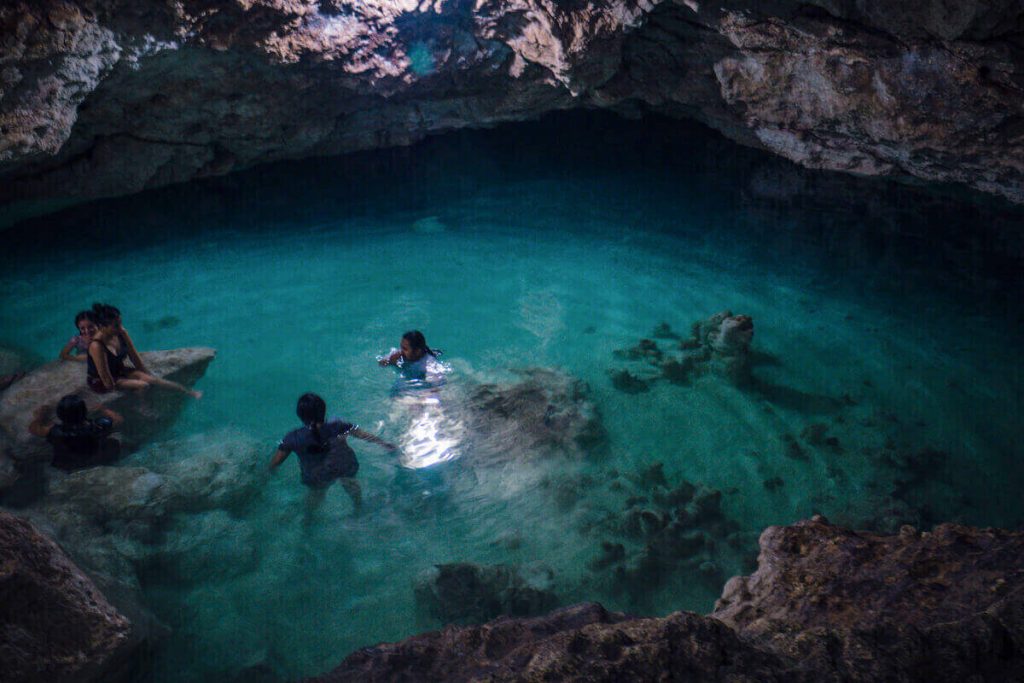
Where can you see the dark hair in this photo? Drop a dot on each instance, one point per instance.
(71, 410)
(312, 411)
(85, 315)
(105, 314)
(417, 341)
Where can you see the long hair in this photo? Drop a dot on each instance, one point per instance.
(312, 411)
(104, 314)
(417, 342)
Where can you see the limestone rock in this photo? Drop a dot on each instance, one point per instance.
(101, 98)
(47, 384)
(825, 604)
(55, 625)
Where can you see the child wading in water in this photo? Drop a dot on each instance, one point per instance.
(324, 453)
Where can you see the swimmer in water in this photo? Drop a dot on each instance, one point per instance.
(411, 357)
(324, 453)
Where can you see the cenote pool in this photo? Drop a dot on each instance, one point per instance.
(886, 374)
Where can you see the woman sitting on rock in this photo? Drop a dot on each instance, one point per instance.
(110, 347)
(324, 454)
(77, 440)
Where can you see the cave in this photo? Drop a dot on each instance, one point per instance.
(612, 339)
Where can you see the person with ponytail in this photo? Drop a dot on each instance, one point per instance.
(324, 453)
(110, 347)
(412, 356)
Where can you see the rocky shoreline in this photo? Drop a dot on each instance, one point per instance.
(101, 98)
(825, 603)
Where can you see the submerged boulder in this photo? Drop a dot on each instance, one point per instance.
(47, 384)
(546, 413)
(55, 625)
(466, 592)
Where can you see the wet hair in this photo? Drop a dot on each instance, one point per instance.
(71, 410)
(418, 342)
(105, 314)
(85, 315)
(313, 411)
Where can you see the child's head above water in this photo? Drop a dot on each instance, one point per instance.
(414, 346)
(71, 410)
(311, 409)
(105, 315)
(85, 321)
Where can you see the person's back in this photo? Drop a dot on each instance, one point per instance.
(77, 440)
(323, 459)
(83, 444)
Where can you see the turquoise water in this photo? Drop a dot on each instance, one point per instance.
(887, 323)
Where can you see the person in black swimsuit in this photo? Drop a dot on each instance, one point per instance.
(110, 347)
(77, 440)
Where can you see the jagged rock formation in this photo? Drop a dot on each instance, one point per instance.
(826, 603)
(47, 384)
(55, 625)
(103, 97)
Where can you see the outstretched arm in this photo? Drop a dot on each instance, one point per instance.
(390, 360)
(41, 423)
(115, 417)
(132, 353)
(366, 436)
(65, 353)
(278, 458)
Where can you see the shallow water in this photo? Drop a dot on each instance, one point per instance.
(886, 318)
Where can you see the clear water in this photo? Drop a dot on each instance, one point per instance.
(890, 315)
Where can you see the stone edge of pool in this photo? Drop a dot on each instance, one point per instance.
(826, 603)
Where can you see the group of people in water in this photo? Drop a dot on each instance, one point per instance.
(80, 438)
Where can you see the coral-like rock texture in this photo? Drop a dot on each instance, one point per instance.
(55, 625)
(106, 97)
(826, 604)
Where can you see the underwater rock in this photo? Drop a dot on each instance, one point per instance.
(646, 350)
(205, 547)
(132, 499)
(219, 470)
(55, 624)
(546, 413)
(825, 603)
(464, 592)
(628, 383)
(47, 384)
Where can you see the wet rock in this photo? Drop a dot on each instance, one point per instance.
(218, 470)
(946, 605)
(205, 547)
(55, 625)
(48, 383)
(130, 499)
(825, 604)
(547, 413)
(628, 383)
(664, 331)
(465, 592)
(645, 350)
(678, 372)
(611, 554)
